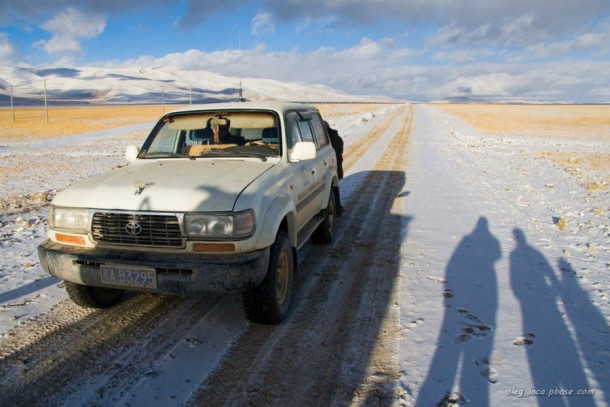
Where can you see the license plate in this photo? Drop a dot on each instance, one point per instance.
(132, 277)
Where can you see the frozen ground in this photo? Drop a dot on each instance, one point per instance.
(503, 267)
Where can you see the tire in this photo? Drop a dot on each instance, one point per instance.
(324, 232)
(269, 302)
(93, 297)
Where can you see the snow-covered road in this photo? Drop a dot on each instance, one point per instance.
(498, 265)
(497, 303)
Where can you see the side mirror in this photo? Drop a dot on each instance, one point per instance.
(131, 153)
(303, 151)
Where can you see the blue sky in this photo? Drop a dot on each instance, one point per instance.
(511, 50)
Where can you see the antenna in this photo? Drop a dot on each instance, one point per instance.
(240, 98)
(241, 94)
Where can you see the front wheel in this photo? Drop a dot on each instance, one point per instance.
(93, 297)
(269, 302)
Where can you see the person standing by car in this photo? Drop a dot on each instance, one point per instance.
(337, 142)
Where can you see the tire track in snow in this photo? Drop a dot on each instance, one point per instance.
(51, 359)
(357, 150)
(337, 344)
(107, 357)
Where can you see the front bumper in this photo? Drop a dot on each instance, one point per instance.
(177, 273)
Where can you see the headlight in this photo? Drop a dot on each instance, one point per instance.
(236, 225)
(73, 219)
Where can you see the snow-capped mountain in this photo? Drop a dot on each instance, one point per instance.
(89, 85)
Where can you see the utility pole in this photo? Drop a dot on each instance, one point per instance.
(12, 105)
(46, 109)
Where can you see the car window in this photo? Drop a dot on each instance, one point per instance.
(213, 134)
(306, 126)
(295, 135)
(320, 131)
(164, 141)
(305, 129)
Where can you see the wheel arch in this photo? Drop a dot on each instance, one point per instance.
(280, 215)
(331, 181)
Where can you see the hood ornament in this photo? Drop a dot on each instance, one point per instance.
(140, 186)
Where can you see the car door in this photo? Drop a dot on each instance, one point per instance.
(326, 159)
(325, 163)
(306, 176)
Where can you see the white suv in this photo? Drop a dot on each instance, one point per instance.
(219, 198)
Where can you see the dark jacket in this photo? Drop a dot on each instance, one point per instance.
(337, 143)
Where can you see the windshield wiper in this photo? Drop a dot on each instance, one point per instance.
(167, 155)
(222, 153)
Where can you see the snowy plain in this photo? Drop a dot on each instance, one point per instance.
(498, 304)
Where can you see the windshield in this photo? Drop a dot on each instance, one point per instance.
(214, 134)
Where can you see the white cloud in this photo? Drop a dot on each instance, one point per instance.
(498, 84)
(60, 43)
(366, 49)
(263, 23)
(74, 23)
(68, 27)
(384, 68)
(570, 81)
(359, 68)
(597, 43)
(530, 49)
(465, 55)
(7, 51)
(502, 23)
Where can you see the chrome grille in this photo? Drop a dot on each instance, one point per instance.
(137, 229)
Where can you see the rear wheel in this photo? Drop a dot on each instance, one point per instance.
(269, 302)
(324, 233)
(93, 297)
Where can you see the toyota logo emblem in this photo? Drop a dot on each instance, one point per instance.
(133, 228)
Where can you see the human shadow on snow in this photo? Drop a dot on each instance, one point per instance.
(467, 332)
(588, 323)
(551, 350)
(462, 369)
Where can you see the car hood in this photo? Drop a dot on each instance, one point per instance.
(166, 185)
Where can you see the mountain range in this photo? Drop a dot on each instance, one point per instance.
(90, 85)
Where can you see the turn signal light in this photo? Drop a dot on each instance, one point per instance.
(70, 239)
